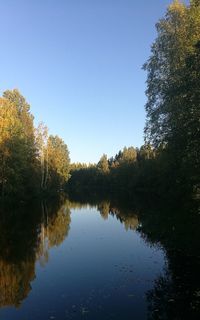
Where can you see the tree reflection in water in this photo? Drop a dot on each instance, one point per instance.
(176, 227)
(28, 233)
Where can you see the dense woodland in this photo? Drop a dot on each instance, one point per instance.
(169, 162)
(33, 162)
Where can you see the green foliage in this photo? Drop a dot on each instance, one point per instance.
(173, 109)
(103, 165)
(167, 56)
(16, 151)
(30, 160)
(169, 160)
(124, 173)
(58, 162)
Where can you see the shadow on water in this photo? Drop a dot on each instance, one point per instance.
(174, 224)
(28, 232)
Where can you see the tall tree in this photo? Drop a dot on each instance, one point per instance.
(24, 115)
(41, 138)
(173, 120)
(178, 32)
(103, 165)
(11, 145)
(58, 162)
(26, 139)
(186, 126)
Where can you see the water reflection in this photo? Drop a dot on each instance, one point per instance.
(28, 233)
(54, 228)
(18, 246)
(176, 226)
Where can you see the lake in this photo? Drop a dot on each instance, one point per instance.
(71, 260)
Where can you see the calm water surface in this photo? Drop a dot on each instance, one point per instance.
(80, 262)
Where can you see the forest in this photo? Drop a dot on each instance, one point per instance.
(34, 163)
(169, 161)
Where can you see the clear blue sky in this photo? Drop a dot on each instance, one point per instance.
(78, 63)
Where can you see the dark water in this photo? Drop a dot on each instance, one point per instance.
(103, 261)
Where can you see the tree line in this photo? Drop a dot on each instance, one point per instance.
(118, 174)
(32, 161)
(170, 159)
